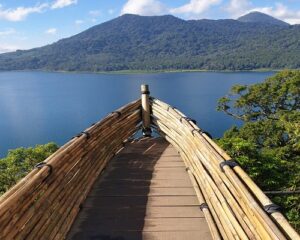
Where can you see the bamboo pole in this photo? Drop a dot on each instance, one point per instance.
(67, 189)
(212, 226)
(55, 176)
(45, 203)
(36, 207)
(260, 195)
(231, 227)
(232, 202)
(146, 110)
(209, 153)
(170, 123)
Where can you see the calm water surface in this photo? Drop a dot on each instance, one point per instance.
(37, 107)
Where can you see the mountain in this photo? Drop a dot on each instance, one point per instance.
(132, 42)
(258, 17)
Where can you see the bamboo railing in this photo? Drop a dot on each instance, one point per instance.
(234, 206)
(44, 204)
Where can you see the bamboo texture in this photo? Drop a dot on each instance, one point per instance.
(146, 110)
(235, 202)
(44, 204)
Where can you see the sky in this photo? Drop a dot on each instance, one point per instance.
(26, 24)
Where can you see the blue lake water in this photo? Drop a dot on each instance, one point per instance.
(39, 107)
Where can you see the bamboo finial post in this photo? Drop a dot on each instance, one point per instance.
(146, 110)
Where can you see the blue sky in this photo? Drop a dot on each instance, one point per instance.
(26, 24)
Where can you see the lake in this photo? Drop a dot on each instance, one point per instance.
(39, 107)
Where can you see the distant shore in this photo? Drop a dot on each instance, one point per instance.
(186, 71)
(149, 71)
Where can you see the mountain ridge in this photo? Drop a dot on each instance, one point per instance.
(133, 42)
(258, 17)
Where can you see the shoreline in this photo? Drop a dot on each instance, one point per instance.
(150, 72)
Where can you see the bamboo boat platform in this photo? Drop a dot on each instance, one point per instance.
(108, 184)
(144, 193)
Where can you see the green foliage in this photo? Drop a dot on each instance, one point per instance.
(268, 144)
(277, 97)
(291, 206)
(132, 42)
(20, 161)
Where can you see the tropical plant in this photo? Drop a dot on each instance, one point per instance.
(268, 144)
(20, 161)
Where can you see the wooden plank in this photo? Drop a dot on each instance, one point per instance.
(159, 175)
(177, 235)
(167, 171)
(115, 201)
(142, 224)
(145, 193)
(150, 157)
(138, 235)
(121, 183)
(141, 163)
(151, 212)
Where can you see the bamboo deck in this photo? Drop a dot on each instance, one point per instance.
(145, 193)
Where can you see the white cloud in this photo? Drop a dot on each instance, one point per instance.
(8, 48)
(7, 32)
(62, 3)
(282, 12)
(155, 7)
(79, 22)
(240, 7)
(144, 7)
(20, 13)
(293, 20)
(111, 11)
(51, 31)
(195, 7)
(95, 13)
(236, 8)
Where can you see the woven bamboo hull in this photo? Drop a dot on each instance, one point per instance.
(46, 202)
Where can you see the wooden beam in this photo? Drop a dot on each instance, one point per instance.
(146, 110)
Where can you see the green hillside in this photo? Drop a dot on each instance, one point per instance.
(132, 42)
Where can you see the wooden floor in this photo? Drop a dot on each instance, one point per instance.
(145, 193)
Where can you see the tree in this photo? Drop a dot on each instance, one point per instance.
(268, 144)
(21, 161)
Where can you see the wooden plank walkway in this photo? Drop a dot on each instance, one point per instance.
(145, 193)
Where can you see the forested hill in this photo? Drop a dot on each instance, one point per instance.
(262, 18)
(132, 42)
